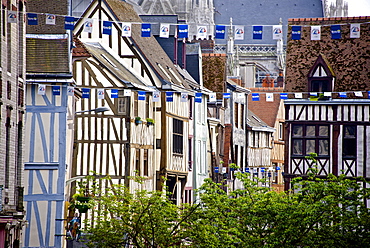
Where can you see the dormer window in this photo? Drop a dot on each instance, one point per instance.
(321, 76)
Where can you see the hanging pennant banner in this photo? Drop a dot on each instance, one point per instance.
(226, 95)
(296, 32)
(184, 97)
(313, 96)
(183, 31)
(126, 92)
(220, 32)
(141, 95)
(358, 93)
(257, 32)
(107, 27)
(100, 93)
(202, 32)
(239, 32)
(114, 93)
(368, 94)
(342, 94)
(88, 25)
(335, 32)
(145, 29)
(169, 96)
(70, 91)
(283, 96)
(298, 95)
(12, 16)
(156, 96)
(85, 93)
(355, 30)
(56, 90)
(315, 32)
(198, 97)
(126, 29)
(255, 96)
(328, 94)
(69, 23)
(277, 32)
(164, 31)
(212, 97)
(269, 97)
(41, 89)
(50, 19)
(32, 19)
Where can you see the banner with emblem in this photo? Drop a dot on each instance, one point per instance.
(56, 90)
(69, 22)
(198, 97)
(315, 32)
(239, 32)
(169, 96)
(156, 96)
(355, 30)
(126, 92)
(32, 19)
(269, 97)
(100, 93)
(85, 93)
(164, 31)
(50, 19)
(126, 29)
(212, 97)
(220, 32)
(335, 32)
(277, 32)
(201, 32)
(141, 95)
(183, 31)
(70, 91)
(88, 25)
(257, 32)
(114, 93)
(12, 16)
(255, 96)
(184, 97)
(107, 27)
(146, 29)
(41, 89)
(296, 32)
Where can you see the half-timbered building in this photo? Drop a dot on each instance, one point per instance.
(334, 73)
(139, 64)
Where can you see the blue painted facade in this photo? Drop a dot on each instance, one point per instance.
(45, 167)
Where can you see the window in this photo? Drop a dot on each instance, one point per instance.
(308, 139)
(190, 154)
(9, 90)
(236, 115)
(242, 116)
(178, 131)
(7, 146)
(349, 141)
(281, 131)
(320, 77)
(146, 167)
(137, 161)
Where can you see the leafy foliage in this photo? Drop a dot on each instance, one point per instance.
(318, 212)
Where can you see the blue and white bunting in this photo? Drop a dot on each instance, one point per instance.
(198, 97)
(257, 32)
(184, 97)
(41, 89)
(226, 95)
(239, 32)
(114, 93)
(69, 23)
(255, 96)
(107, 27)
(315, 32)
(126, 29)
(56, 90)
(342, 94)
(183, 31)
(12, 16)
(269, 97)
(156, 96)
(368, 94)
(88, 25)
(283, 96)
(100, 93)
(146, 29)
(126, 92)
(85, 93)
(141, 96)
(212, 97)
(277, 32)
(355, 30)
(50, 19)
(220, 32)
(328, 94)
(358, 93)
(298, 95)
(296, 32)
(335, 32)
(164, 31)
(70, 91)
(169, 96)
(32, 19)
(202, 32)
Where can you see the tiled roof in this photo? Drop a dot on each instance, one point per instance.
(79, 49)
(148, 46)
(267, 111)
(255, 122)
(328, 19)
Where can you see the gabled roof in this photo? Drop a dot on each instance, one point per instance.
(148, 46)
(256, 124)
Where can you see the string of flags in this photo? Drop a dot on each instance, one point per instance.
(183, 29)
(212, 97)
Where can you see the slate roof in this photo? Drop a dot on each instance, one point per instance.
(264, 12)
(148, 46)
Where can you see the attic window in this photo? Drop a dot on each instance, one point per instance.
(164, 71)
(109, 61)
(320, 72)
